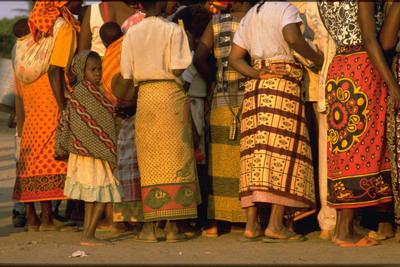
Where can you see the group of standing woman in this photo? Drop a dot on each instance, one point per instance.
(259, 148)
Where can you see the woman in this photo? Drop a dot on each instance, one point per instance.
(162, 128)
(227, 96)
(39, 176)
(358, 160)
(98, 14)
(275, 152)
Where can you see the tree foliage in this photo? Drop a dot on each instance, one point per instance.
(7, 38)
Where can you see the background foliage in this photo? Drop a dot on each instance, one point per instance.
(7, 39)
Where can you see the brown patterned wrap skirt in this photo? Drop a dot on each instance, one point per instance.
(275, 153)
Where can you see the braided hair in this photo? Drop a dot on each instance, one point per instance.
(260, 4)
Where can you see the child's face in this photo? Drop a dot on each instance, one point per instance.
(93, 70)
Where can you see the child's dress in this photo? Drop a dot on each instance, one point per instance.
(89, 135)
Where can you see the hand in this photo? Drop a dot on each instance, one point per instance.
(394, 94)
(320, 60)
(125, 111)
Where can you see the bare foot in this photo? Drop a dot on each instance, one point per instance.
(282, 233)
(386, 229)
(397, 235)
(92, 242)
(147, 234)
(47, 227)
(211, 231)
(326, 234)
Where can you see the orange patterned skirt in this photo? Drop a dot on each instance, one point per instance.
(39, 176)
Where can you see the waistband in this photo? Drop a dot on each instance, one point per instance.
(349, 49)
(282, 69)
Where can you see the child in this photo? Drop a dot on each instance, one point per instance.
(89, 135)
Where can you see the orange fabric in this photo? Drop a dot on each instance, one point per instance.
(39, 176)
(111, 66)
(45, 13)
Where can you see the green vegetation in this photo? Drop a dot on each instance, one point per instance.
(7, 39)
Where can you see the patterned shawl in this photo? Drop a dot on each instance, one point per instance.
(89, 121)
(44, 15)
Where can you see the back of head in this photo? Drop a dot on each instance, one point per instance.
(21, 28)
(110, 32)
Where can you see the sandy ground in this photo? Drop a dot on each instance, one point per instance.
(17, 246)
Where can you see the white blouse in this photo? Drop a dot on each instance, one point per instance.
(153, 48)
(261, 33)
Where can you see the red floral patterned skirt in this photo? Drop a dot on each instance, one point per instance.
(359, 167)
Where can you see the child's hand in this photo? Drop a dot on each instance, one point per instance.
(125, 111)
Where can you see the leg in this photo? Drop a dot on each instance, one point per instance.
(211, 230)
(172, 232)
(345, 235)
(276, 229)
(89, 238)
(148, 232)
(33, 220)
(115, 227)
(253, 228)
(47, 217)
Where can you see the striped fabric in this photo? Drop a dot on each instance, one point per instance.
(224, 154)
(230, 83)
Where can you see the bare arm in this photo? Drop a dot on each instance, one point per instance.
(389, 34)
(19, 109)
(295, 39)
(238, 62)
(368, 30)
(56, 78)
(202, 53)
(85, 35)
(122, 88)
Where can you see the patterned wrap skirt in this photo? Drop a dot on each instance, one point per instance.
(359, 167)
(39, 176)
(275, 153)
(169, 184)
(393, 137)
(130, 209)
(224, 167)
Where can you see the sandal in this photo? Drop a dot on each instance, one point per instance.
(292, 237)
(245, 239)
(363, 242)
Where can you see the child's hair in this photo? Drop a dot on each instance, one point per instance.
(110, 32)
(21, 28)
(93, 54)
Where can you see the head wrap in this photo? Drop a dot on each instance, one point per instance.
(45, 13)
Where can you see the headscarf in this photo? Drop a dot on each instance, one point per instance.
(88, 124)
(44, 15)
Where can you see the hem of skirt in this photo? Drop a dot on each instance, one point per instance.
(360, 205)
(172, 218)
(222, 218)
(103, 194)
(304, 200)
(40, 199)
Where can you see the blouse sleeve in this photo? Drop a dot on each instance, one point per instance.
(64, 46)
(290, 15)
(127, 60)
(181, 56)
(240, 37)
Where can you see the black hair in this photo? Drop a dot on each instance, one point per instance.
(93, 54)
(260, 5)
(110, 32)
(195, 19)
(21, 28)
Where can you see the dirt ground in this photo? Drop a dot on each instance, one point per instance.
(17, 246)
